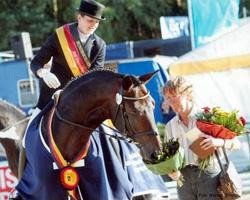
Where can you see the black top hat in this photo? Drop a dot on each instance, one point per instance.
(92, 9)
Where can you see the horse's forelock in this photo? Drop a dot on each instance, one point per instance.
(136, 81)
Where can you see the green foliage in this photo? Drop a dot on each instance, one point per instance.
(246, 4)
(161, 130)
(169, 149)
(126, 19)
(136, 19)
(24, 16)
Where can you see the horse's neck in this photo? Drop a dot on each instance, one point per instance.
(70, 138)
(87, 107)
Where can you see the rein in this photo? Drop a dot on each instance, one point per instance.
(88, 128)
(15, 124)
(124, 135)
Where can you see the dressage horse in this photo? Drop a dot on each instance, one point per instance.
(12, 121)
(68, 130)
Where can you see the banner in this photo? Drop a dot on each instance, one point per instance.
(211, 18)
(221, 69)
(174, 27)
(7, 180)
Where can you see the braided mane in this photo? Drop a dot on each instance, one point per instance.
(105, 68)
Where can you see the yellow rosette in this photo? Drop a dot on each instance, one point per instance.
(69, 178)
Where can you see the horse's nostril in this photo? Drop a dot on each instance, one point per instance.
(156, 133)
(154, 156)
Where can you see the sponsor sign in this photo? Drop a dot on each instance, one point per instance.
(7, 180)
(174, 27)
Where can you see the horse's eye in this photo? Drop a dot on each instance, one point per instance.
(153, 102)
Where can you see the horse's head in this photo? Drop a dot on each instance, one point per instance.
(135, 115)
(101, 95)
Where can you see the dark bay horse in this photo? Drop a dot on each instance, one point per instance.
(67, 127)
(12, 121)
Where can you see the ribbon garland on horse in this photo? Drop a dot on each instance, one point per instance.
(69, 177)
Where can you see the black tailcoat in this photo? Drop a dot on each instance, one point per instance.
(95, 49)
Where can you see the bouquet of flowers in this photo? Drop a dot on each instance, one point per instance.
(170, 160)
(219, 123)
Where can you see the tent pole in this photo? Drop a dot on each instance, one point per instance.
(191, 24)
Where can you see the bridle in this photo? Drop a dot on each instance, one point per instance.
(127, 128)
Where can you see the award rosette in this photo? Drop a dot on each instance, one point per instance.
(69, 178)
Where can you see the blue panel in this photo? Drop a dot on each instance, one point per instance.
(10, 73)
(119, 51)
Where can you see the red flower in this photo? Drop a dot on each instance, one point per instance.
(243, 120)
(206, 109)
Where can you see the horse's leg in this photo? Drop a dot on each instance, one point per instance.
(12, 153)
(22, 154)
(22, 162)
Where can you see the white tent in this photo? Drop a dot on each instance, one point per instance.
(220, 71)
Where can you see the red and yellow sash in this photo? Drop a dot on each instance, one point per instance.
(68, 175)
(71, 53)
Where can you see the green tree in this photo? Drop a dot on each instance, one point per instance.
(126, 19)
(246, 4)
(137, 19)
(24, 15)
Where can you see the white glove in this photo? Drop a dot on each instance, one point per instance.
(49, 78)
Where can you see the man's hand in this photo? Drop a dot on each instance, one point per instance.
(49, 78)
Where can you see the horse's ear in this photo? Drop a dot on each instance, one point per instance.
(127, 83)
(146, 77)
